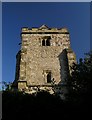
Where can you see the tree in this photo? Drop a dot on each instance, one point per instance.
(81, 76)
(6, 85)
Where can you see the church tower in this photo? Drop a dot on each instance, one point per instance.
(44, 59)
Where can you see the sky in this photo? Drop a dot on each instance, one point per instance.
(74, 16)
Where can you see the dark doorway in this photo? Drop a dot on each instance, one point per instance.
(49, 77)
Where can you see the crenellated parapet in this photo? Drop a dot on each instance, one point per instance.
(44, 29)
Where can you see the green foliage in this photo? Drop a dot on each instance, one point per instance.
(26, 106)
(17, 105)
(6, 86)
(81, 78)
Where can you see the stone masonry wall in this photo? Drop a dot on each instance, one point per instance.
(38, 59)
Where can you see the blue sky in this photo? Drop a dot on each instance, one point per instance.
(74, 16)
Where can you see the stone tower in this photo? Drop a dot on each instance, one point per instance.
(44, 59)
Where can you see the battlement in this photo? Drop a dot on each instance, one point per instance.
(45, 29)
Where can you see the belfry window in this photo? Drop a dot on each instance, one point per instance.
(48, 42)
(43, 42)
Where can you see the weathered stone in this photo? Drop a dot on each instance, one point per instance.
(45, 58)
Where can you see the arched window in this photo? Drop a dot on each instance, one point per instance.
(48, 42)
(43, 42)
(49, 77)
